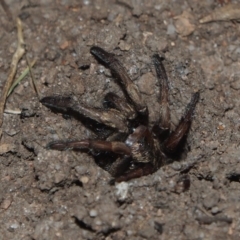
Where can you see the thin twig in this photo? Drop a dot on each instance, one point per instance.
(13, 111)
(13, 68)
(209, 220)
(32, 77)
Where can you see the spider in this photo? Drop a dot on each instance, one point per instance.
(131, 149)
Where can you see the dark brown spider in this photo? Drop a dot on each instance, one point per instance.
(134, 149)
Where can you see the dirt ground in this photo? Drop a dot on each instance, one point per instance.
(46, 194)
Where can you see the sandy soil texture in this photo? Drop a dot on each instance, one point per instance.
(46, 194)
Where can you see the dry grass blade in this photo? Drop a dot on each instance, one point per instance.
(30, 65)
(21, 77)
(13, 68)
(229, 12)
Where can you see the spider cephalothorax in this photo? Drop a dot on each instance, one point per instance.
(136, 150)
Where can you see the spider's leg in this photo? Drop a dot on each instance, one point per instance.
(137, 172)
(100, 145)
(164, 123)
(172, 142)
(112, 100)
(120, 166)
(119, 72)
(110, 117)
(116, 169)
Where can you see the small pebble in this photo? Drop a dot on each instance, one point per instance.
(84, 179)
(176, 166)
(211, 200)
(93, 213)
(171, 29)
(147, 232)
(215, 210)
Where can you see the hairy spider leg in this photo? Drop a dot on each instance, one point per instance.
(164, 122)
(100, 145)
(110, 117)
(116, 169)
(112, 100)
(119, 72)
(140, 171)
(120, 166)
(172, 142)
